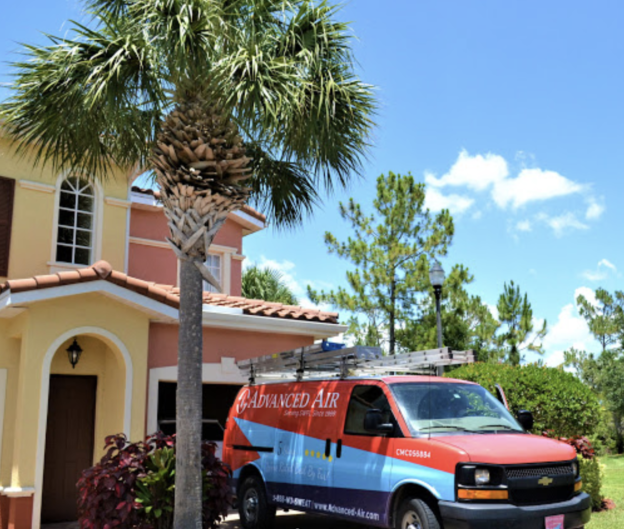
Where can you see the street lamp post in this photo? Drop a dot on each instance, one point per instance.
(436, 276)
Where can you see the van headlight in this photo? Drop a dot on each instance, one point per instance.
(469, 475)
(575, 467)
(482, 476)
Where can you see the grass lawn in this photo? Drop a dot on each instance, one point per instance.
(612, 488)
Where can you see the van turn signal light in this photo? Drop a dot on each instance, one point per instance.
(475, 494)
(578, 485)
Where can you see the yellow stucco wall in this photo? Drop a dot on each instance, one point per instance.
(38, 328)
(34, 214)
(9, 360)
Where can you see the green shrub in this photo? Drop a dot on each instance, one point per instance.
(592, 473)
(558, 400)
(155, 490)
(133, 485)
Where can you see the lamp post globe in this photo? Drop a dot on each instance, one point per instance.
(437, 276)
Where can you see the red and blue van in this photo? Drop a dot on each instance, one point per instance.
(408, 452)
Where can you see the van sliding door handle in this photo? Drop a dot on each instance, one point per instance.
(339, 448)
(327, 447)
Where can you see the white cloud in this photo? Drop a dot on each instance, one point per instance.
(562, 223)
(476, 172)
(490, 173)
(532, 185)
(570, 330)
(456, 204)
(524, 225)
(601, 272)
(587, 293)
(594, 210)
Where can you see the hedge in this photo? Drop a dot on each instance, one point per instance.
(559, 400)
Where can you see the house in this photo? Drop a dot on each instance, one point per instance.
(85, 267)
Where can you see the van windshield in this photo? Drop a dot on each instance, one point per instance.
(446, 408)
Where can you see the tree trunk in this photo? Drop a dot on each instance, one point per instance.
(188, 479)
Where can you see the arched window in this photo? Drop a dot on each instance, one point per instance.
(74, 242)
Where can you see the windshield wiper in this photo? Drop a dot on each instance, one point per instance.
(501, 426)
(446, 427)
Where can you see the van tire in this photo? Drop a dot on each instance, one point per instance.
(415, 513)
(254, 510)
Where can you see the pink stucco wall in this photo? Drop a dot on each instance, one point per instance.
(153, 264)
(153, 225)
(236, 280)
(163, 344)
(148, 224)
(160, 264)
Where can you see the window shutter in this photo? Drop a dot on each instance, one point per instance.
(7, 194)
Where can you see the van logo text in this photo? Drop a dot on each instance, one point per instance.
(253, 399)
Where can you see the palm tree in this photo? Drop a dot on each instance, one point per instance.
(224, 100)
(268, 284)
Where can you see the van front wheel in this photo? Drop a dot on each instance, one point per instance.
(416, 514)
(253, 507)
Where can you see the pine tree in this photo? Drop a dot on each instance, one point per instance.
(391, 249)
(604, 371)
(516, 316)
(467, 322)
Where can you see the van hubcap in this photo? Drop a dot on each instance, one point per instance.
(250, 505)
(411, 521)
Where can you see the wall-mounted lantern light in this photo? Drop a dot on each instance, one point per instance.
(73, 352)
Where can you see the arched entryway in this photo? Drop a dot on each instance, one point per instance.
(80, 406)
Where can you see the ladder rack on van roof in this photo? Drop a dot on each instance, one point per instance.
(335, 359)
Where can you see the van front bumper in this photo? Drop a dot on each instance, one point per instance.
(505, 516)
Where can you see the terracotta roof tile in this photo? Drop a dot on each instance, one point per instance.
(47, 281)
(167, 294)
(71, 276)
(21, 285)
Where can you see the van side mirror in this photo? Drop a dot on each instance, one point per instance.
(525, 418)
(373, 422)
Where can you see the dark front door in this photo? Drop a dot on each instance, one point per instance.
(69, 444)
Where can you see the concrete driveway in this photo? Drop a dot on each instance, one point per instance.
(297, 520)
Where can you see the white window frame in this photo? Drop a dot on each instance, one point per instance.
(96, 237)
(219, 277)
(227, 253)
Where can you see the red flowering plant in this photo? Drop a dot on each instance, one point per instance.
(133, 485)
(580, 443)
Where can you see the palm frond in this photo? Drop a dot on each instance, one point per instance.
(283, 190)
(86, 104)
(293, 86)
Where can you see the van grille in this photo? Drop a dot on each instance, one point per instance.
(537, 472)
(541, 496)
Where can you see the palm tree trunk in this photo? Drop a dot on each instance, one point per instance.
(188, 480)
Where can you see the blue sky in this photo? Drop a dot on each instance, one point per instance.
(511, 111)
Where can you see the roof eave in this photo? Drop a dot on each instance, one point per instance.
(12, 304)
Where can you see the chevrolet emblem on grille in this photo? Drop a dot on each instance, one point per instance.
(545, 481)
